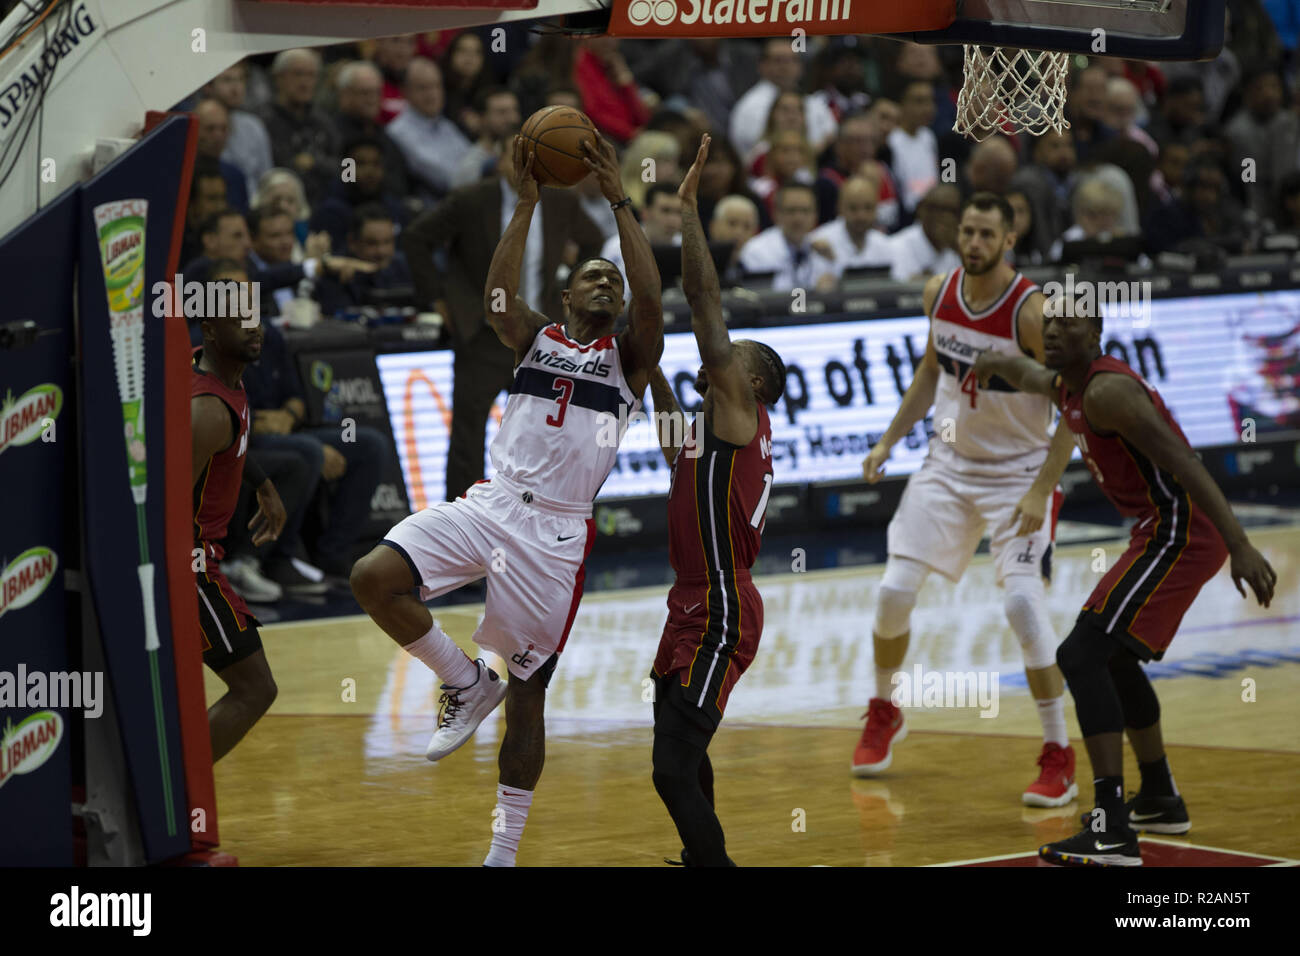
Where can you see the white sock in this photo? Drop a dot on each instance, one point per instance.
(1052, 715)
(884, 685)
(508, 821)
(441, 655)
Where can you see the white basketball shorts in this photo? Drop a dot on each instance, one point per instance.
(532, 552)
(944, 513)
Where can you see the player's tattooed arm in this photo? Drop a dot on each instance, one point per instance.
(916, 400)
(731, 410)
(515, 324)
(699, 277)
(642, 342)
(211, 432)
(670, 420)
(1118, 403)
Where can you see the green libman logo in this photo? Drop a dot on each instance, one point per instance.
(734, 18)
(22, 421)
(120, 227)
(26, 747)
(26, 577)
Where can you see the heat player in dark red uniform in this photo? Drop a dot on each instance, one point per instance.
(722, 475)
(219, 414)
(1184, 529)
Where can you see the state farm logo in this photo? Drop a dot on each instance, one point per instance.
(757, 13)
(26, 747)
(26, 577)
(662, 12)
(22, 421)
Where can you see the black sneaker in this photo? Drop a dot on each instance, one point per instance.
(1148, 814)
(686, 860)
(1094, 848)
(285, 572)
(1158, 814)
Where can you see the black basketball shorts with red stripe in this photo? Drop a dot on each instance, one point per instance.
(710, 639)
(229, 631)
(1142, 599)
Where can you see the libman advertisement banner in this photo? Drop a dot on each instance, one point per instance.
(135, 454)
(37, 533)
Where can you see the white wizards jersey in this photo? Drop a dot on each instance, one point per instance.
(569, 406)
(998, 422)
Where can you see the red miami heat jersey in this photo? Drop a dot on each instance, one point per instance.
(1135, 486)
(1174, 548)
(717, 504)
(998, 422)
(217, 491)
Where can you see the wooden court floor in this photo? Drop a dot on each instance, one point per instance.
(335, 773)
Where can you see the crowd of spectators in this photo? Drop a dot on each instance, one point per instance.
(377, 175)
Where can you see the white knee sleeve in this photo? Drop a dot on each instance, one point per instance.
(1026, 607)
(897, 596)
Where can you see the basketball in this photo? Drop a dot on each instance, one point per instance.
(555, 132)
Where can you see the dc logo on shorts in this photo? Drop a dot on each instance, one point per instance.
(524, 659)
(641, 12)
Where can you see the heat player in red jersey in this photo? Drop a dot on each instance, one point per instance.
(717, 503)
(219, 426)
(1184, 529)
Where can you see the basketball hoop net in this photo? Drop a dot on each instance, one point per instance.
(1009, 90)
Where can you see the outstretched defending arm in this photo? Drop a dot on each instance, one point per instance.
(1118, 403)
(731, 416)
(1021, 371)
(670, 420)
(513, 321)
(642, 342)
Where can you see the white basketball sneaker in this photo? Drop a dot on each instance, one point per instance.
(462, 709)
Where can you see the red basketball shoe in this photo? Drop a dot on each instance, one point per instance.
(1055, 786)
(885, 727)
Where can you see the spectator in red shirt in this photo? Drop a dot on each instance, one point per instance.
(393, 55)
(609, 92)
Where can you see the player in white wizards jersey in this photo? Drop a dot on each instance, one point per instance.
(529, 527)
(993, 465)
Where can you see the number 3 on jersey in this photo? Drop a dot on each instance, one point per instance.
(565, 387)
(970, 384)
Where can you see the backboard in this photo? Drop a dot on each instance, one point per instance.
(1131, 29)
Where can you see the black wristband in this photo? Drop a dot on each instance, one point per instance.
(625, 201)
(253, 474)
